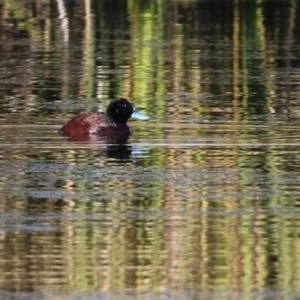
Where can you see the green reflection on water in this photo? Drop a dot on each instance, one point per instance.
(207, 197)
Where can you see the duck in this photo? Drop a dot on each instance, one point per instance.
(113, 121)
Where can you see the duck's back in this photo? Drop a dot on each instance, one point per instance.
(84, 123)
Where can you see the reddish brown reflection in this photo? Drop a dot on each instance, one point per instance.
(116, 144)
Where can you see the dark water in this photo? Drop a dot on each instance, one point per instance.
(202, 202)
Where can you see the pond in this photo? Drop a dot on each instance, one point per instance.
(202, 201)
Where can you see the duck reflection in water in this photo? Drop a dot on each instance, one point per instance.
(110, 127)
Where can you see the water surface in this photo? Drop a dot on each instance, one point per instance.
(202, 202)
